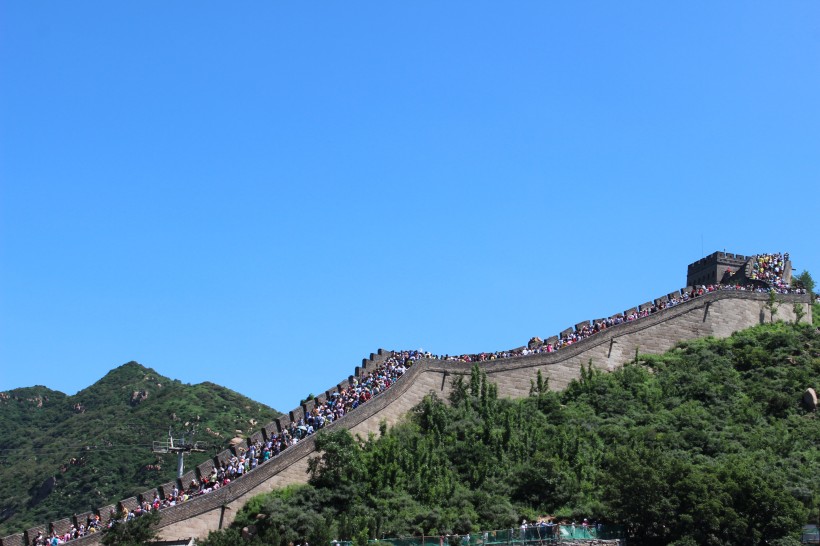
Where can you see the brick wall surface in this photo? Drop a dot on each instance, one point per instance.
(165, 490)
(147, 496)
(84, 518)
(32, 533)
(61, 526)
(106, 511)
(130, 503)
(13, 540)
(188, 478)
(222, 458)
(205, 468)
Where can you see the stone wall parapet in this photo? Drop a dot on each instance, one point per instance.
(713, 258)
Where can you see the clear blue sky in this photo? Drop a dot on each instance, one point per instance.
(261, 194)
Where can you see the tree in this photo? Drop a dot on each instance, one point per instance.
(340, 463)
(136, 532)
(772, 305)
(361, 537)
(799, 312)
(804, 279)
(540, 385)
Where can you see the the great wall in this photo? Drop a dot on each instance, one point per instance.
(719, 314)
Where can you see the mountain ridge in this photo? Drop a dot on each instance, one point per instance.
(71, 453)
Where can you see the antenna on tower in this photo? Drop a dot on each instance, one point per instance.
(180, 446)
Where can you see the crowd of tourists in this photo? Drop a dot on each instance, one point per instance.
(91, 525)
(770, 268)
(243, 460)
(767, 268)
(360, 391)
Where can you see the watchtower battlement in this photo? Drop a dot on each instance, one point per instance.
(720, 267)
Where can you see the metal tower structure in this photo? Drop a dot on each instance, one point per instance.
(180, 446)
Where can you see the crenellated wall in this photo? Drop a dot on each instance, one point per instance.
(712, 268)
(717, 314)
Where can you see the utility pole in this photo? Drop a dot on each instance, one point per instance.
(180, 446)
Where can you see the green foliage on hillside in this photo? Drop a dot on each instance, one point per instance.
(707, 444)
(137, 532)
(70, 454)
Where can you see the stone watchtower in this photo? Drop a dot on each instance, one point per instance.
(724, 266)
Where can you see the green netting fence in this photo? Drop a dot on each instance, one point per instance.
(531, 536)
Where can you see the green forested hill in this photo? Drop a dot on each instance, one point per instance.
(707, 444)
(61, 454)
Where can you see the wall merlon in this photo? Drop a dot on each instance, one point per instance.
(188, 478)
(205, 468)
(222, 457)
(271, 429)
(283, 422)
(566, 333)
(580, 326)
(296, 414)
(84, 518)
(107, 511)
(630, 311)
(165, 491)
(130, 503)
(14, 540)
(32, 533)
(61, 526)
(308, 405)
(147, 496)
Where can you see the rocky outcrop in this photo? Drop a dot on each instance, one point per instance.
(138, 396)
